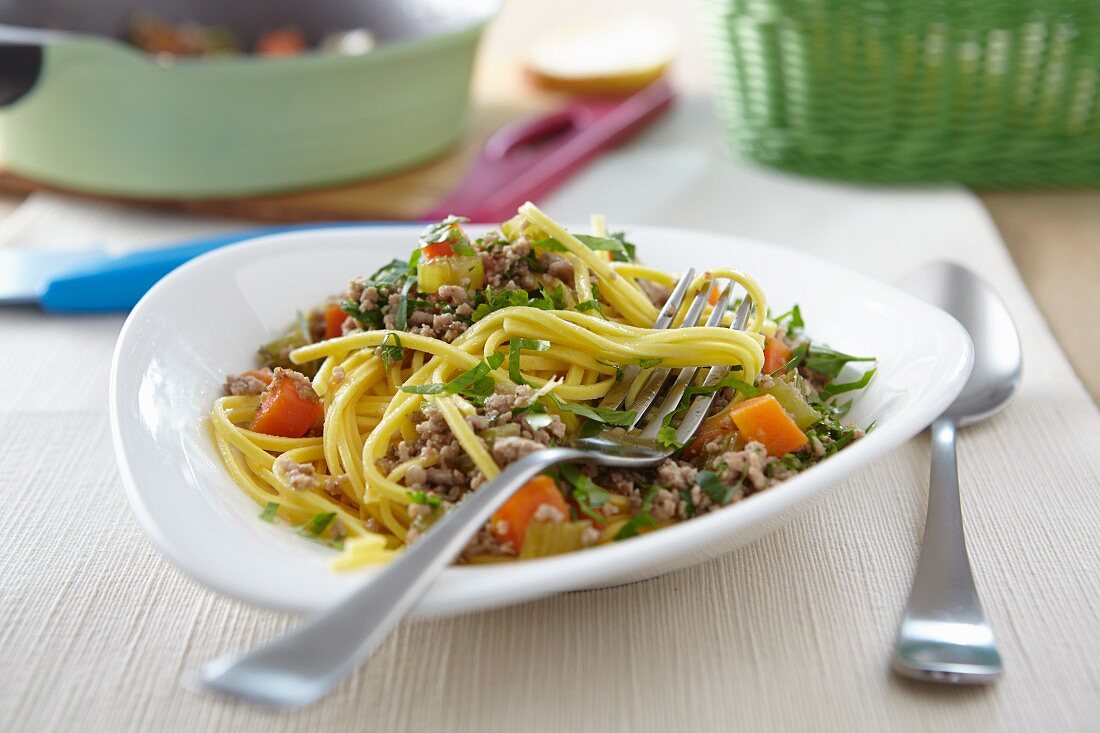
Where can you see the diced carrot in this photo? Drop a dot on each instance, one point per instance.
(776, 355)
(281, 42)
(334, 320)
(714, 293)
(511, 520)
(715, 428)
(437, 249)
(764, 420)
(289, 408)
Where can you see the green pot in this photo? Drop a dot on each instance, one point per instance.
(91, 113)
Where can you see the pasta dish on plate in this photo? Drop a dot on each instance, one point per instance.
(383, 407)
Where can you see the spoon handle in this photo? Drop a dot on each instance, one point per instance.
(944, 635)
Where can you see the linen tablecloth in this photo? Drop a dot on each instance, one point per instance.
(98, 632)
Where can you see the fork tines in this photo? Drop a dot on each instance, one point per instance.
(653, 382)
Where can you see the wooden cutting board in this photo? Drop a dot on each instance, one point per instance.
(501, 96)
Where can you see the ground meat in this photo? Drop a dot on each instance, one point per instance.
(418, 510)
(548, 513)
(451, 472)
(507, 266)
(485, 542)
(298, 476)
(245, 384)
(677, 475)
(456, 295)
(664, 505)
(334, 485)
(590, 535)
(559, 267)
(509, 450)
(655, 292)
(747, 466)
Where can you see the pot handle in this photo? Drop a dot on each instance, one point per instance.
(21, 54)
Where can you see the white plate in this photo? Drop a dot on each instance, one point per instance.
(207, 318)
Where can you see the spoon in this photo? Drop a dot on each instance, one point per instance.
(944, 635)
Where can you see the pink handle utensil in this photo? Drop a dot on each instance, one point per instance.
(526, 160)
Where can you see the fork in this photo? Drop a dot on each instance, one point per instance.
(305, 664)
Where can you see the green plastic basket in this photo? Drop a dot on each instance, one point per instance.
(990, 93)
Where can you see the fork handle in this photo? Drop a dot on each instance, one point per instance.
(304, 665)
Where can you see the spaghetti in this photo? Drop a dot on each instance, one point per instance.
(429, 384)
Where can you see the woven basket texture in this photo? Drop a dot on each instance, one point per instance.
(990, 93)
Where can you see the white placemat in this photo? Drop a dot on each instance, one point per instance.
(97, 632)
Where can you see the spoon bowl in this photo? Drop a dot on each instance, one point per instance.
(997, 353)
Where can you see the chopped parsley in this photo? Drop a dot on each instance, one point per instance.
(794, 322)
(832, 389)
(318, 524)
(442, 231)
(602, 244)
(474, 382)
(269, 512)
(642, 519)
(826, 361)
(585, 492)
(709, 483)
(421, 497)
(627, 253)
(648, 363)
(496, 301)
(590, 305)
(514, 347)
(370, 320)
(392, 353)
(619, 418)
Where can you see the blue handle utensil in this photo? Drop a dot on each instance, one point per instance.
(92, 281)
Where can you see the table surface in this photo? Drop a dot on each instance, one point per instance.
(98, 632)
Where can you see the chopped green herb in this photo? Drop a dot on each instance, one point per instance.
(475, 382)
(401, 317)
(617, 367)
(666, 437)
(370, 320)
(689, 503)
(713, 487)
(832, 389)
(628, 252)
(494, 302)
(414, 260)
(633, 525)
(269, 512)
(421, 497)
(441, 231)
(550, 300)
(796, 358)
(318, 524)
(603, 244)
(829, 362)
(514, 348)
(620, 418)
(585, 492)
(648, 363)
(590, 305)
(392, 353)
(793, 317)
(550, 245)
(389, 274)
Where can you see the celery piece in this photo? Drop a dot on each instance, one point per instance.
(788, 395)
(543, 539)
(432, 274)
